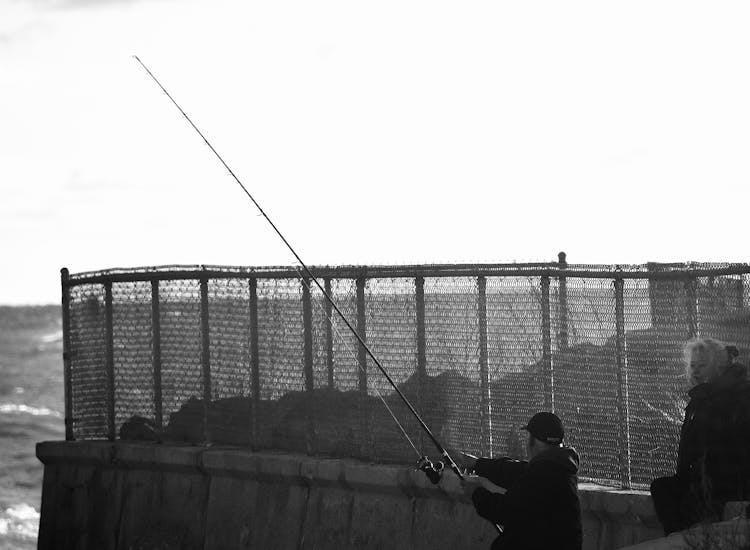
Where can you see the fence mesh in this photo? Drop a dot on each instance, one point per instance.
(229, 361)
(259, 358)
(181, 354)
(132, 353)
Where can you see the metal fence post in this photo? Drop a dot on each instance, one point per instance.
(421, 345)
(622, 385)
(366, 449)
(205, 358)
(110, 360)
(156, 356)
(254, 364)
(67, 368)
(562, 335)
(485, 415)
(549, 375)
(691, 306)
(740, 296)
(307, 335)
(329, 331)
(362, 331)
(308, 365)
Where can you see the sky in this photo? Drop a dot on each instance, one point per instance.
(390, 132)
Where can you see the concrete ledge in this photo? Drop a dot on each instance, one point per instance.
(232, 497)
(725, 535)
(616, 502)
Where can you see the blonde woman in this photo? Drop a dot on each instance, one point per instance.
(713, 462)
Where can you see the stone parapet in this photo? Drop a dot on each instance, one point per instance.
(117, 495)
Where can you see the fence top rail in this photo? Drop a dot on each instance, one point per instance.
(671, 271)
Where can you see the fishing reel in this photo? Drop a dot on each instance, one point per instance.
(433, 470)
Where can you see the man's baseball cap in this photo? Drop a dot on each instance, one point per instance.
(547, 427)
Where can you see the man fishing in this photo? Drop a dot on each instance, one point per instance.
(540, 509)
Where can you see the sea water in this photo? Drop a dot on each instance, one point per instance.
(31, 410)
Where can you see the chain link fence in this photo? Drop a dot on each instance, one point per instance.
(259, 358)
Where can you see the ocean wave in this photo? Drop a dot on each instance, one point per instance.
(20, 522)
(20, 408)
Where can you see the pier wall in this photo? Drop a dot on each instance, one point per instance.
(141, 496)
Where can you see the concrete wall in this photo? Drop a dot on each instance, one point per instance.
(103, 495)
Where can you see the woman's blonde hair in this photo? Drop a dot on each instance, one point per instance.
(719, 355)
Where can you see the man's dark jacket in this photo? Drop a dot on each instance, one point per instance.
(540, 509)
(714, 455)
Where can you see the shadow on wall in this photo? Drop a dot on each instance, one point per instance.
(328, 421)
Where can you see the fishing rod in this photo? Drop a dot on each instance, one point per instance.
(432, 471)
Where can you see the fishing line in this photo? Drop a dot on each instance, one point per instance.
(337, 332)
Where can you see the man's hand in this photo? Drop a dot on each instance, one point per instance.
(469, 462)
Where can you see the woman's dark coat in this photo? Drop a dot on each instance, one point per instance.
(714, 455)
